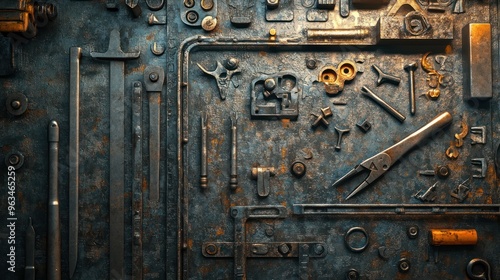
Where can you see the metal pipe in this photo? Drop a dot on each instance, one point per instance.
(354, 33)
(54, 230)
(367, 92)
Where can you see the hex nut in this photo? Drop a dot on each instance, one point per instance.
(443, 171)
(284, 249)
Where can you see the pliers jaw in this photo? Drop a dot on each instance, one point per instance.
(377, 165)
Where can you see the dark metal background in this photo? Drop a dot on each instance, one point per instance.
(176, 229)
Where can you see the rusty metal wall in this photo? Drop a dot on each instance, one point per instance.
(293, 226)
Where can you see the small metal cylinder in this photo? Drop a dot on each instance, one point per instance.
(443, 237)
(395, 113)
(203, 173)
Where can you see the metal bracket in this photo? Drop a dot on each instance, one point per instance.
(275, 96)
(262, 175)
(462, 191)
(484, 166)
(479, 130)
(428, 196)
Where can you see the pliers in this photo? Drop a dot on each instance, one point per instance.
(381, 162)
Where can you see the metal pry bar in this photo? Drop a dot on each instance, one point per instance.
(74, 144)
(29, 268)
(381, 162)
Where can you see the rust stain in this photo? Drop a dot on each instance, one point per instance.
(144, 185)
(479, 192)
(190, 244)
(219, 231)
(489, 200)
(139, 69)
(448, 50)
(284, 203)
(225, 201)
(263, 53)
(285, 123)
(150, 37)
(284, 152)
(105, 139)
(206, 269)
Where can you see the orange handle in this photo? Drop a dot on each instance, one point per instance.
(439, 237)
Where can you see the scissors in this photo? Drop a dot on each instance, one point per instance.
(484, 274)
(381, 162)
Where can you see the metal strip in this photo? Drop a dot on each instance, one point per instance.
(117, 167)
(54, 226)
(137, 181)
(74, 142)
(396, 209)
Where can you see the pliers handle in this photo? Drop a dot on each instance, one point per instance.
(381, 162)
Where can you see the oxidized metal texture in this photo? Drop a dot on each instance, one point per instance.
(190, 223)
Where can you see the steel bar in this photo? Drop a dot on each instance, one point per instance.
(137, 257)
(29, 268)
(74, 142)
(154, 77)
(116, 58)
(396, 209)
(233, 181)
(54, 228)
(395, 113)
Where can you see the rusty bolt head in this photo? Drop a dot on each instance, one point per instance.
(14, 159)
(272, 3)
(153, 77)
(412, 232)
(283, 248)
(209, 23)
(352, 274)
(311, 64)
(211, 249)
(327, 112)
(270, 84)
(298, 169)
(443, 171)
(232, 63)
(319, 249)
(192, 16)
(404, 265)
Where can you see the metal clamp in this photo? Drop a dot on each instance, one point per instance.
(262, 175)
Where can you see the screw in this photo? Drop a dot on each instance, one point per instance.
(211, 249)
(298, 169)
(153, 77)
(269, 84)
(14, 159)
(188, 3)
(232, 63)
(319, 249)
(15, 104)
(341, 133)
(403, 265)
(411, 70)
(283, 248)
(311, 64)
(272, 3)
(412, 232)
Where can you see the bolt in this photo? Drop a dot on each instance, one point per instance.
(411, 71)
(443, 171)
(211, 249)
(269, 232)
(232, 63)
(341, 133)
(14, 159)
(298, 169)
(319, 249)
(311, 64)
(15, 104)
(188, 3)
(403, 265)
(209, 23)
(153, 77)
(283, 248)
(269, 84)
(352, 274)
(412, 232)
(192, 17)
(272, 3)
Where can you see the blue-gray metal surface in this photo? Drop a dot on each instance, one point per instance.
(220, 233)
